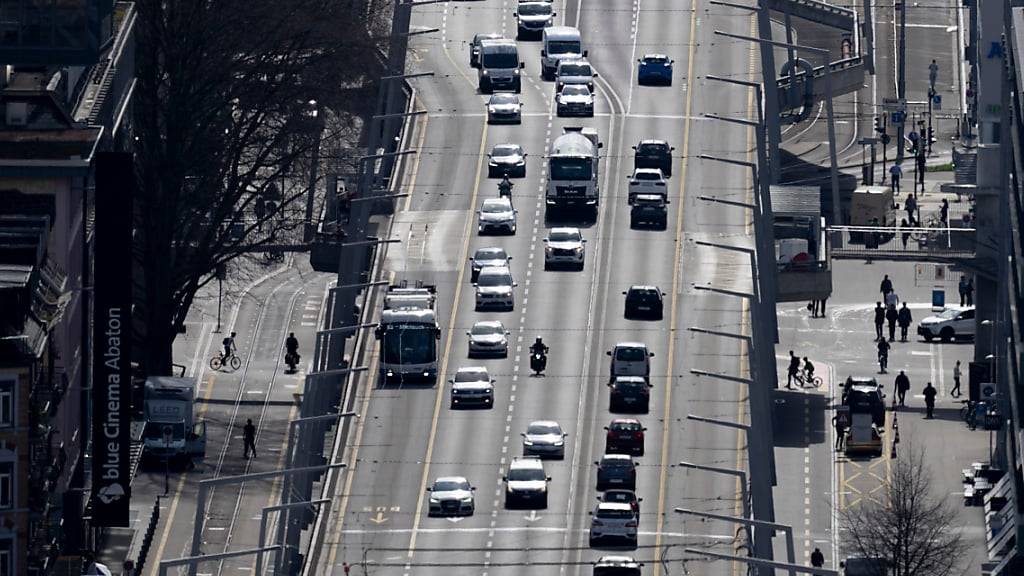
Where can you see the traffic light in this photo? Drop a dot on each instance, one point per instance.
(931, 134)
(879, 127)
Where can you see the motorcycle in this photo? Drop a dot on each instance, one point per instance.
(505, 189)
(538, 361)
(292, 360)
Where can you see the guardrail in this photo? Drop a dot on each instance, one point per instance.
(903, 244)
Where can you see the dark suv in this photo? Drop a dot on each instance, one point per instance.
(644, 302)
(616, 470)
(653, 154)
(865, 396)
(625, 436)
(629, 394)
(649, 210)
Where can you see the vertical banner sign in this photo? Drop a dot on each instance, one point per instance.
(112, 324)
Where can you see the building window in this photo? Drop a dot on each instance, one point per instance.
(6, 485)
(6, 403)
(6, 557)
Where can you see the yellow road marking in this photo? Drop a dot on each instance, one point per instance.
(447, 349)
(411, 186)
(676, 273)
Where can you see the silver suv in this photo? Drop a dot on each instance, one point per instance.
(472, 385)
(526, 484)
(613, 521)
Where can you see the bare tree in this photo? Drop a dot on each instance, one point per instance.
(915, 531)
(229, 102)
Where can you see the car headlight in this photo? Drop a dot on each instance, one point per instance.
(390, 373)
(527, 442)
(549, 249)
(435, 500)
(558, 443)
(578, 249)
(486, 73)
(488, 391)
(516, 72)
(467, 499)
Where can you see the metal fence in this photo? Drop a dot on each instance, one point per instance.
(905, 244)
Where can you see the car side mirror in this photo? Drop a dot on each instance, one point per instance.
(640, 60)
(605, 427)
(549, 478)
(545, 240)
(430, 489)
(624, 292)
(451, 381)
(472, 488)
(509, 258)
(600, 144)
(672, 149)
(515, 284)
(493, 380)
(634, 148)
(522, 65)
(507, 332)
(597, 463)
(591, 513)
(474, 283)
(584, 240)
(650, 354)
(543, 53)
(565, 434)
(468, 333)
(668, 201)
(523, 434)
(639, 499)
(645, 428)
(608, 353)
(504, 478)
(585, 53)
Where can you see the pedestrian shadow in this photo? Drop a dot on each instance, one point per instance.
(790, 409)
(948, 414)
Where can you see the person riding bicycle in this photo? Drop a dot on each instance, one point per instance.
(505, 186)
(808, 371)
(229, 346)
(538, 347)
(291, 345)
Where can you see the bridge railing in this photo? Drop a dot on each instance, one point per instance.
(897, 243)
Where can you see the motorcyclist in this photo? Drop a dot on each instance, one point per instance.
(538, 356)
(291, 346)
(538, 347)
(505, 186)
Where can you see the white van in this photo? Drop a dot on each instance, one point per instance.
(559, 43)
(499, 67)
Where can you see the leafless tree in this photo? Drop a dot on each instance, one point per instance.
(914, 530)
(231, 98)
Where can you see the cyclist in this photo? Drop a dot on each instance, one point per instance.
(229, 347)
(808, 371)
(883, 354)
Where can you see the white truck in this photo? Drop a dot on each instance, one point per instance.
(171, 430)
(573, 169)
(409, 334)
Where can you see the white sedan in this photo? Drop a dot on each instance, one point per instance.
(574, 100)
(646, 181)
(504, 107)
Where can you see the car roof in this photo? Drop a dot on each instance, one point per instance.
(614, 559)
(490, 323)
(568, 61)
(618, 506)
(510, 96)
(564, 230)
(575, 88)
(655, 141)
(625, 421)
(527, 462)
(488, 270)
(451, 479)
(498, 202)
(645, 286)
(655, 57)
(629, 380)
(507, 146)
(550, 423)
(631, 345)
(862, 380)
(619, 457)
(486, 36)
(491, 250)
(472, 369)
(647, 171)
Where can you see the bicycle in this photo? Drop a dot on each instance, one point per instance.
(219, 361)
(803, 381)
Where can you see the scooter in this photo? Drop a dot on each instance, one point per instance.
(538, 361)
(292, 360)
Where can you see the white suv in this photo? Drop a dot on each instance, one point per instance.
(613, 520)
(953, 322)
(630, 359)
(526, 484)
(472, 385)
(564, 246)
(495, 288)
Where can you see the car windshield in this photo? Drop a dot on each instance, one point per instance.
(630, 354)
(572, 90)
(629, 385)
(614, 513)
(950, 314)
(544, 429)
(525, 474)
(646, 176)
(565, 236)
(571, 169)
(503, 99)
(409, 344)
(490, 254)
(495, 206)
(155, 430)
(505, 150)
(495, 279)
(619, 496)
(471, 376)
(501, 60)
(564, 47)
(574, 70)
(450, 486)
(534, 8)
(486, 329)
(643, 294)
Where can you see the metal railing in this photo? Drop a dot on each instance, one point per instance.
(934, 244)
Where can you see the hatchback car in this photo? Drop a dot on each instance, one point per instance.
(526, 484)
(575, 71)
(613, 521)
(451, 496)
(646, 181)
(622, 497)
(488, 338)
(950, 324)
(625, 436)
(649, 210)
(474, 47)
(654, 69)
(616, 471)
(495, 289)
(630, 359)
(544, 438)
(629, 394)
(506, 159)
(533, 17)
(564, 247)
(496, 215)
(644, 302)
(488, 257)
(472, 385)
(574, 100)
(653, 154)
(504, 107)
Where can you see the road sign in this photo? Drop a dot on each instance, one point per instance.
(897, 117)
(937, 102)
(894, 104)
(843, 416)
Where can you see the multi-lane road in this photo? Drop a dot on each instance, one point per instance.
(409, 436)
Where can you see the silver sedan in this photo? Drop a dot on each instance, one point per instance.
(488, 338)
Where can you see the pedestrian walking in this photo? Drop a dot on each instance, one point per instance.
(813, 307)
(794, 368)
(911, 207)
(904, 319)
(955, 392)
(892, 299)
(962, 288)
(822, 310)
(944, 213)
(921, 168)
(933, 74)
(840, 427)
(249, 438)
(260, 209)
(905, 235)
(970, 292)
(879, 320)
(902, 387)
(883, 355)
(895, 171)
(886, 286)
(892, 315)
(817, 558)
(929, 400)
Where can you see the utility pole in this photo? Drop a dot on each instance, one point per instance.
(901, 71)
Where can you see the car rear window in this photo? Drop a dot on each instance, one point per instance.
(652, 149)
(630, 355)
(617, 463)
(625, 426)
(647, 176)
(614, 513)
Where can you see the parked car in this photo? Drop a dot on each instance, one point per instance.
(654, 69)
(952, 323)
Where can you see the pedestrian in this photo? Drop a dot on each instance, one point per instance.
(886, 286)
(895, 171)
(911, 207)
(93, 568)
(962, 288)
(970, 292)
(823, 300)
(933, 74)
(249, 437)
(904, 319)
(892, 316)
(879, 320)
(794, 367)
(902, 387)
(944, 212)
(840, 426)
(813, 307)
(955, 392)
(905, 235)
(128, 568)
(883, 355)
(921, 168)
(817, 558)
(892, 299)
(871, 240)
(929, 400)
(260, 209)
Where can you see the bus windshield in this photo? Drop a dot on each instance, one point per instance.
(571, 169)
(409, 344)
